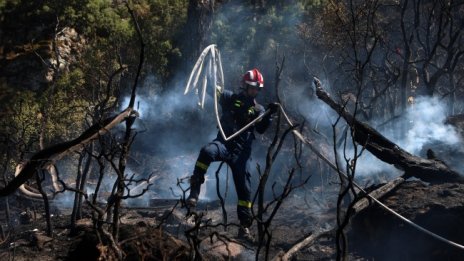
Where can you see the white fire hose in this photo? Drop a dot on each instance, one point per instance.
(213, 63)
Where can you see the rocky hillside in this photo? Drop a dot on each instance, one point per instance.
(34, 64)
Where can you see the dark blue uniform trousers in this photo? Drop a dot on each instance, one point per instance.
(238, 160)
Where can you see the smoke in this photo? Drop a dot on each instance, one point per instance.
(171, 128)
(66, 198)
(426, 120)
(424, 127)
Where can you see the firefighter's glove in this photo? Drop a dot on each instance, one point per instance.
(273, 107)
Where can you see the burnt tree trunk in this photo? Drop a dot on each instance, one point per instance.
(83, 181)
(5, 181)
(128, 137)
(429, 170)
(76, 196)
(40, 176)
(198, 27)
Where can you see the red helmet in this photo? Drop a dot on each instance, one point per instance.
(253, 78)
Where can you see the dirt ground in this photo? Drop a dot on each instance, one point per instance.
(159, 233)
(28, 241)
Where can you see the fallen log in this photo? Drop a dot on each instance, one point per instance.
(285, 256)
(429, 170)
(378, 193)
(358, 207)
(144, 185)
(48, 156)
(456, 120)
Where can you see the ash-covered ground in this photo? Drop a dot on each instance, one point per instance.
(159, 230)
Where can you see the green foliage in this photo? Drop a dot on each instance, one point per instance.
(64, 108)
(66, 116)
(161, 22)
(249, 37)
(60, 112)
(105, 24)
(25, 111)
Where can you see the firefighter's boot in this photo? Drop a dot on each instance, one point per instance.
(195, 186)
(245, 234)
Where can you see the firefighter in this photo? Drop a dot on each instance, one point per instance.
(237, 111)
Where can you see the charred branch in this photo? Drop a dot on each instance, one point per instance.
(48, 156)
(128, 136)
(429, 170)
(218, 192)
(378, 193)
(302, 244)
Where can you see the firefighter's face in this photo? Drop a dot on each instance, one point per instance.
(252, 91)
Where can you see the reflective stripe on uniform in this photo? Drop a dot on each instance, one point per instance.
(238, 103)
(244, 203)
(202, 165)
(251, 111)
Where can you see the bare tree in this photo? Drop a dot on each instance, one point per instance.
(347, 193)
(431, 32)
